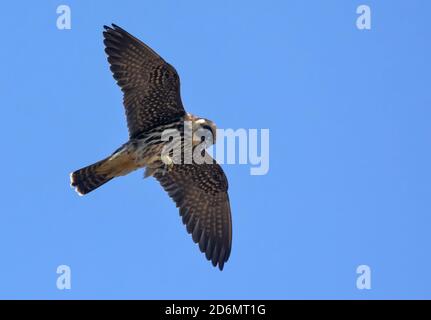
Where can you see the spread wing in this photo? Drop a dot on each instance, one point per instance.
(150, 85)
(200, 192)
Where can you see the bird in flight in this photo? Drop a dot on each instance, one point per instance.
(152, 102)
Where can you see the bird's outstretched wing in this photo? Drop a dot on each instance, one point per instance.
(200, 192)
(151, 86)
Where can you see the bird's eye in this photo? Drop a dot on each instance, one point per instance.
(207, 127)
(210, 130)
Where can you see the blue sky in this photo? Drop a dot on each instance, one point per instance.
(349, 179)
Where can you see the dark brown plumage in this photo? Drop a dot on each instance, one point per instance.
(200, 191)
(151, 86)
(152, 102)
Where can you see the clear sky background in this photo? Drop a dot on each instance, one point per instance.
(349, 181)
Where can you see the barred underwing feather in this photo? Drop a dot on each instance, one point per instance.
(151, 86)
(204, 206)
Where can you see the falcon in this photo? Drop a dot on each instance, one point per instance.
(152, 102)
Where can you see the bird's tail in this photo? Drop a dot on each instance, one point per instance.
(120, 163)
(89, 178)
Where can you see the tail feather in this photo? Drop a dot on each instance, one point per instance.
(89, 178)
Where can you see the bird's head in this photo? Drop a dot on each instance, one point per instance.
(204, 130)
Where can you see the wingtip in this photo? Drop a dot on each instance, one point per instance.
(115, 30)
(218, 258)
(113, 26)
